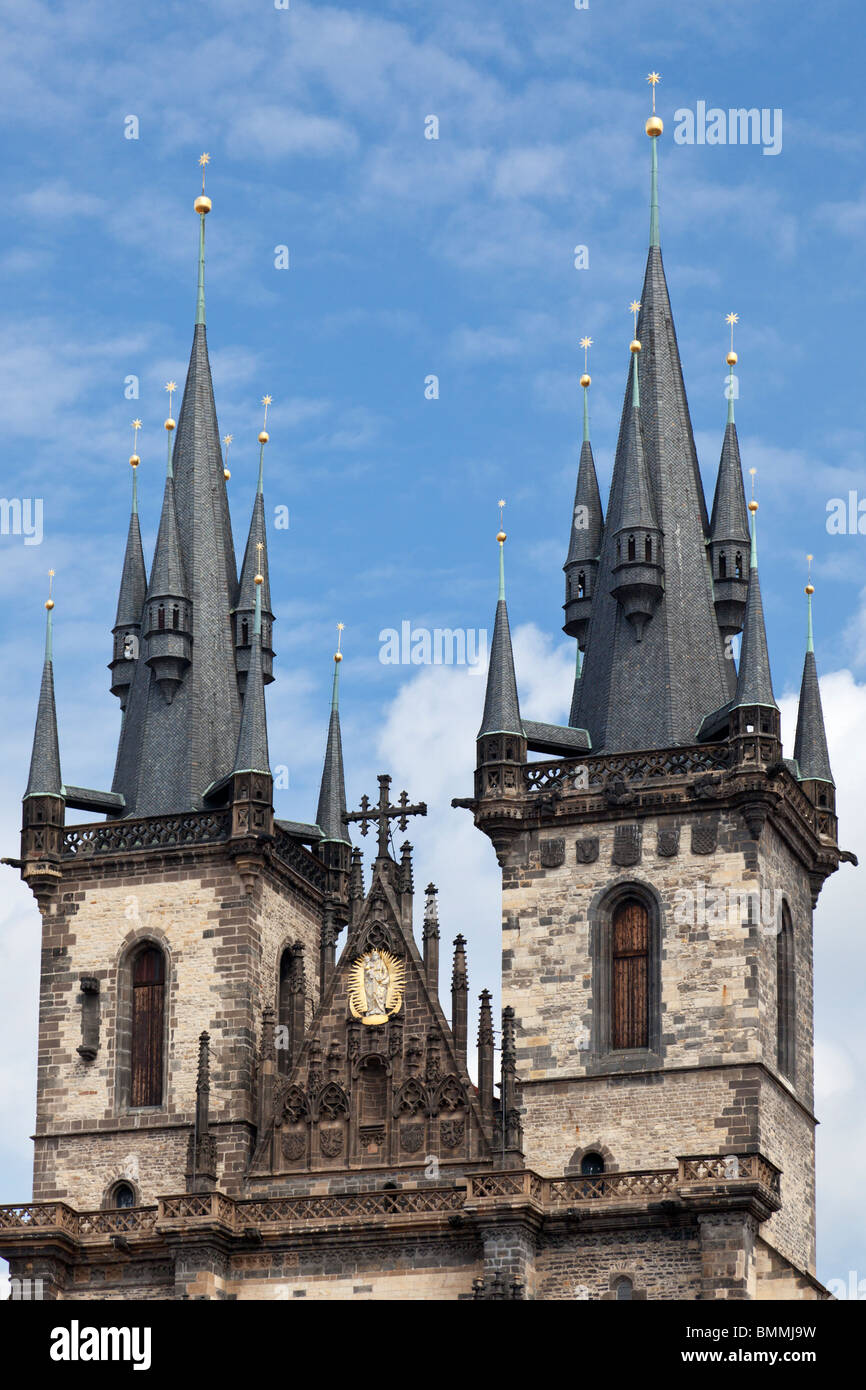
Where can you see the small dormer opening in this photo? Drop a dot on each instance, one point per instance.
(581, 585)
(245, 633)
(723, 565)
(160, 617)
(648, 550)
(738, 566)
(175, 617)
(631, 548)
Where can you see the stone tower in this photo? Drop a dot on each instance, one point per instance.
(659, 875)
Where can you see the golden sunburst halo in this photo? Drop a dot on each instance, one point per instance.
(359, 1005)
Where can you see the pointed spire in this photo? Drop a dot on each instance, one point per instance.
(810, 743)
(575, 694)
(255, 562)
(203, 206)
(501, 707)
(729, 521)
(252, 751)
(131, 596)
(44, 778)
(332, 793)
(754, 683)
(167, 577)
(587, 524)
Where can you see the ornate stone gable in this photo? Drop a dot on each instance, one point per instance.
(379, 1081)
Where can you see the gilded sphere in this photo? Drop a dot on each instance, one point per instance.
(731, 358)
(134, 460)
(338, 656)
(810, 589)
(169, 424)
(263, 436)
(226, 474)
(634, 345)
(49, 604)
(500, 536)
(202, 204)
(259, 579)
(654, 126)
(753, 506)
(585, 379)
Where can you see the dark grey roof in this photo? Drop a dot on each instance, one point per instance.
(632, 502)
(754, 683)
(555, 738)
(252, 749)
(585, 541)
(810, 743)
(45, 779)
(86, 799)
(133, 579)
(169, 754)
(309, 834)
(258, 533)
(654, 693)
(332, 793)
(730, 519)
(501, 707)
(166, 576)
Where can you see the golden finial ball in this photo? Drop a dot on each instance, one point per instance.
(169, 424)
(585, 379)
(203, 204)
(654, 126)
(226, 474)
(753, 506)
(634, 345)
(501, 537)
(338, 656)
(134, 460)
(810, 589)
(49, 604)
(259, 579)
(263, 436)
(731, 358)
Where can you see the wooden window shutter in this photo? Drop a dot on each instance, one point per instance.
(630, 976)
(148, 1006)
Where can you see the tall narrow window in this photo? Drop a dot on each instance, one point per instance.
(160, 617)
(245, 633)
(284, 1009)
(785, 996)
(738, 566)
(630, 976)
(631, 548)
(148, 1007)
(723, 565)
(581, 585)
(648, 550)
(175, 617)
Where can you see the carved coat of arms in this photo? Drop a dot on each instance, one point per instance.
(587, 850)
(376, 986)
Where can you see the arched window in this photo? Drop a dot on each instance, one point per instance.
(785, 996)
(148, 1011)
(245, 633)
(581, 585)
(738, 566)
(630, 976)
(631, 548)
(160, 617)
(618, 550)
(648, 550)
(122, 1195)
(175, 617)
(624, 1288)
(723, 565)
(591, 1165)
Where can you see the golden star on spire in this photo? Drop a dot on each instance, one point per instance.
(732, 318)
(227, 439)
(654, 79)
(731, 358)
(586, 342)
(171, 386)
(136, 424)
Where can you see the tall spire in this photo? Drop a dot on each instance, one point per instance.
(587, 523)
(255, 561)
(130, 599)
(332, 792)
(252, 749)
(501, 706)
(44, 778)
(654, 128)
(654, 693)
(203, 206)
(754, 683)
(729, 524)
(810, 743)
(169, 754)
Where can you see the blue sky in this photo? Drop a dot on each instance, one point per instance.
(411, 257)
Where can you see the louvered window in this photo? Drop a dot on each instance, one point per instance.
(148, 1011)
(630, 976)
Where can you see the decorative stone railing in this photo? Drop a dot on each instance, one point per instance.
(593, 774)
(154, 832)
(296, 857)
(694, 1176)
